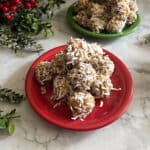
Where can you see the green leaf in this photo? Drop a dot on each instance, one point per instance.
(6, 121)
(11, 113)
(44, 33)
(35, 27)
(3, 124)
(11, 128)
(29, 18)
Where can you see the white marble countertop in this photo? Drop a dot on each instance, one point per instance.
(130, 132)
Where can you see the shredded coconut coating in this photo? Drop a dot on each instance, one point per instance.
(105, 15)
(105, 66)
(43, 72)
(121, 11)
(76, 43)
(97, 24)
(94, 50)
(131, 17)
(133, 6)
(101, 87)
(95, 10)
(80, 51)
(115, 25)
(76, 52)
(58, 64)
(81, 104)
(82, 76)
(81, 5)
(60, 88)
(82, 18)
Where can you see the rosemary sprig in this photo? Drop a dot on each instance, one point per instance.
(6, 121)
(7, 95)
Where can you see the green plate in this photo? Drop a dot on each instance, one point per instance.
(127, 30)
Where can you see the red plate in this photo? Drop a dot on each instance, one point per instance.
(113, 107)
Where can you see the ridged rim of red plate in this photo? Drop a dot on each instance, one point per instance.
(88, 124)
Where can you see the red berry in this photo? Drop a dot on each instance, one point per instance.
(7, 4)
(36, 4)
(13, 8)
(5, 9)
(17, 2)
(32, 1)
(12, 15)
(9, 16)
(27, 5)
(1, 6)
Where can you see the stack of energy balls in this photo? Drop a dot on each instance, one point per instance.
(109, 15)
(80, 74)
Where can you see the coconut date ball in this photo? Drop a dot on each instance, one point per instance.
(82, 76)
(43, 72)
(101, 87)
(81, 104)
(60, 87)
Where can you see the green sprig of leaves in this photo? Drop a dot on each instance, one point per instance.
(19, 33)
(10, 96)
(6, 121)
(17, 41)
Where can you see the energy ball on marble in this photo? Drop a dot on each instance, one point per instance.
(76, 52)
(76, 43)
(43, 72)
(81, 5)
(80, 51)
(105, 66)
(87, 78)
(115, 25)
(95, 54)
(60, 87)
(133, 6)
(97, 24)
(81, 104)
(120, 11)
(82, 76)
(82, 18)
(58, 64)
(106, 15)
(95, 10)
(94, 51)
(101, 87)
(131, 17)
